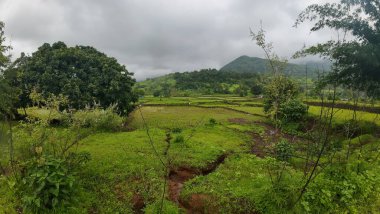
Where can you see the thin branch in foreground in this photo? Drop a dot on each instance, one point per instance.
(150, 138)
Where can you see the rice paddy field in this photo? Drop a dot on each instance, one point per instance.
(216, 161)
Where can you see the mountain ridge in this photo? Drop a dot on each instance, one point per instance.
(249, 64)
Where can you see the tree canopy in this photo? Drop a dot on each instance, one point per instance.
(8, 95)
(357, 60)
(83, 74)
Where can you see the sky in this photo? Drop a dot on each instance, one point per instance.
(155, 37)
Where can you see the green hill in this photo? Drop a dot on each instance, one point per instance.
(205, 81)
(241, 76)
(259, 65)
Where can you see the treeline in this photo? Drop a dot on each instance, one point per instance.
(211, 77)
(205, 81)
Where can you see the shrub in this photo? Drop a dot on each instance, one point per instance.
(292, 111)
(7, 199)
(47, 184)
(283, 150)
(212, 122)
(179, 139)
(157, 93)
(277, 91)
(341, 190)
(177, 130)
(98, 119)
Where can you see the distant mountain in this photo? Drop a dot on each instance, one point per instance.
(259, 65)
(237, 77)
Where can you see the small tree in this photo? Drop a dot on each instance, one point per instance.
(257, 88)
(279, 89)
(165, 89)
(156, 93)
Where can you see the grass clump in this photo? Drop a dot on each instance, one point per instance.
(179, 139)
(176, 130)
(283, 150)
(212, 122)
(98, 119)
(168, 207)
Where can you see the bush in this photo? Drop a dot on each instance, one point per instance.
(277, 91)
(176, 130)
(47, 184)
(212, 122)
(98, 119)
(7, 199)
(179, 139)
(283, 150)
(341, 190)
(157, 93)
(292, 111)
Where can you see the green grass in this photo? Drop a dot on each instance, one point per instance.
(167, 117)
(238, 186)
(250, 109)
(204, 100)
(41, 113)
(124, 164)
(8, 200)
(343, 115)
(360, 103)
(127, 160)
(3, 143)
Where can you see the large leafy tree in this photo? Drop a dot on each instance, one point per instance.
(357, 56)
(83, 74)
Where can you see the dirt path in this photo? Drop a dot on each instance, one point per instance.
(177, 178)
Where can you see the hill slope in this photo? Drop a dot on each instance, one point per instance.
(259, 65)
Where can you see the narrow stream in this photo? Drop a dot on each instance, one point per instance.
(177, 178)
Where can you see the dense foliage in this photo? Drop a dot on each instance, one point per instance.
(98, 119)
(205, 81)
(8, 95)
(292, 110)
(47, 183)
(83, 74)
(278, 91)
(214, 81)
(357, 61)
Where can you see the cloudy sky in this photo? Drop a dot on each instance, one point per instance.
(153, 37)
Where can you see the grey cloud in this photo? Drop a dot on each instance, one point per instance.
(153, 37)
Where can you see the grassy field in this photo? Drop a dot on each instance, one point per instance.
(343, 115)
(127, 158)
(213, 164)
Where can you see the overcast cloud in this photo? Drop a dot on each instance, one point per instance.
(153, 37)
